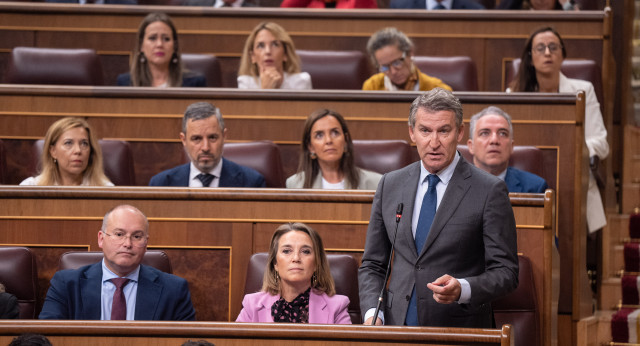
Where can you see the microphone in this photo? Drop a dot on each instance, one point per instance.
(386, 275)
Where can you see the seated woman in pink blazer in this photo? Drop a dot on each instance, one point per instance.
(297, 285)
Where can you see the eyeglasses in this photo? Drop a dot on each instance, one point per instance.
(137, 239)
(395, 64)
(542, 48)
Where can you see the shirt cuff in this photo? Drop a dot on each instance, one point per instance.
(370, 312)
(465, 292)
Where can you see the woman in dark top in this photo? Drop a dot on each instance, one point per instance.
(155, 60)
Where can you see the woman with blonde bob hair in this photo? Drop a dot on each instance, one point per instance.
(269, 61)
(71, 155)
(297, 285)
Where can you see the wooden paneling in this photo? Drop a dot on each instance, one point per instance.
(72, 333)
(210, 234)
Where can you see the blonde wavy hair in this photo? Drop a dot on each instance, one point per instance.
(292, 63)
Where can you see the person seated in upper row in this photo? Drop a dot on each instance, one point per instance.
(330, 3)
(297, 286)
(156, 60)
(567, 5)
(327, 158)
(491, 144)
(540, 71)
(220, 3)
(392, 51)
(203, 135)
(437, 4)
(71, 155)
(269, 61)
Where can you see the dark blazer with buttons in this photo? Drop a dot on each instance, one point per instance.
(189, 79)
(232, 175)
(522, 181)
(473, 237)
(422, 4)
(75, 294)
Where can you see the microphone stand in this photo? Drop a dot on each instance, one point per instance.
(386, 275)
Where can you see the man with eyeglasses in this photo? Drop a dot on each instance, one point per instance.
(392, 51)
(119, 287)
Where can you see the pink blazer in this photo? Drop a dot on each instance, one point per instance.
(256, 307)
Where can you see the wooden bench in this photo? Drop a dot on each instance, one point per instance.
(209, 234)
(72, 333)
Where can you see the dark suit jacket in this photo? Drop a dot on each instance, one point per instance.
(189, 79)
(9, 307)
(232, 175)
(473, 237)
(422, 4)
(75, 295)
(522, 181)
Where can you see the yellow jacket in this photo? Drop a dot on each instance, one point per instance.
(376, 82)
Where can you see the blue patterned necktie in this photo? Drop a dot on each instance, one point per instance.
(427, 213)
(205, 178)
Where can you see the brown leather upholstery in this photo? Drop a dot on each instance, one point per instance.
(520, 308)
(208, 65)
(4, 175)
(30, 65)
(76, 259)
(263, 156)
(459, 72)
(335, 69)
(573, 68)
(344, 270)
(524, 157)
(116, 156)
(382, 156)
(19, 275)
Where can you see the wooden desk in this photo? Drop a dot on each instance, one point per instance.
(210, 234)
(549, 121)
(71, 333)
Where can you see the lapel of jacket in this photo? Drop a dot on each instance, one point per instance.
(229, 175)
(318, 309)
(457, 188)
(409, 190)
(181, 178)
(91, 292)
(512, 180)
(420, 4)
(148, 295)
(264, 312)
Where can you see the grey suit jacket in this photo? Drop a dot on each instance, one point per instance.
(473, 237)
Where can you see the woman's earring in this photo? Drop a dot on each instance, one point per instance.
(277, 276)
(313, 156)
(55, 161)
(175, 58)
(314, 280)
(143, 59)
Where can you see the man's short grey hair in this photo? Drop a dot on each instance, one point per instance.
(105, 220)
(436, 100)
(491, 110)
(199, 111)
(387, 37)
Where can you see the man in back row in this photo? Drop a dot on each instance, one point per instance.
(203, 134)
(119, 287)
(491, 144)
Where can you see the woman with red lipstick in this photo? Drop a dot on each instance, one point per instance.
(540, 72)
(326, 156)
(155, 60)
(297, 286)
(269, 61)
(70, 156)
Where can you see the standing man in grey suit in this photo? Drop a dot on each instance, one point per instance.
(455, 248)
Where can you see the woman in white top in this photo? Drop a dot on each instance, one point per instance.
(540, 72)
(269, 61)
(326, 156)
(70, 156)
